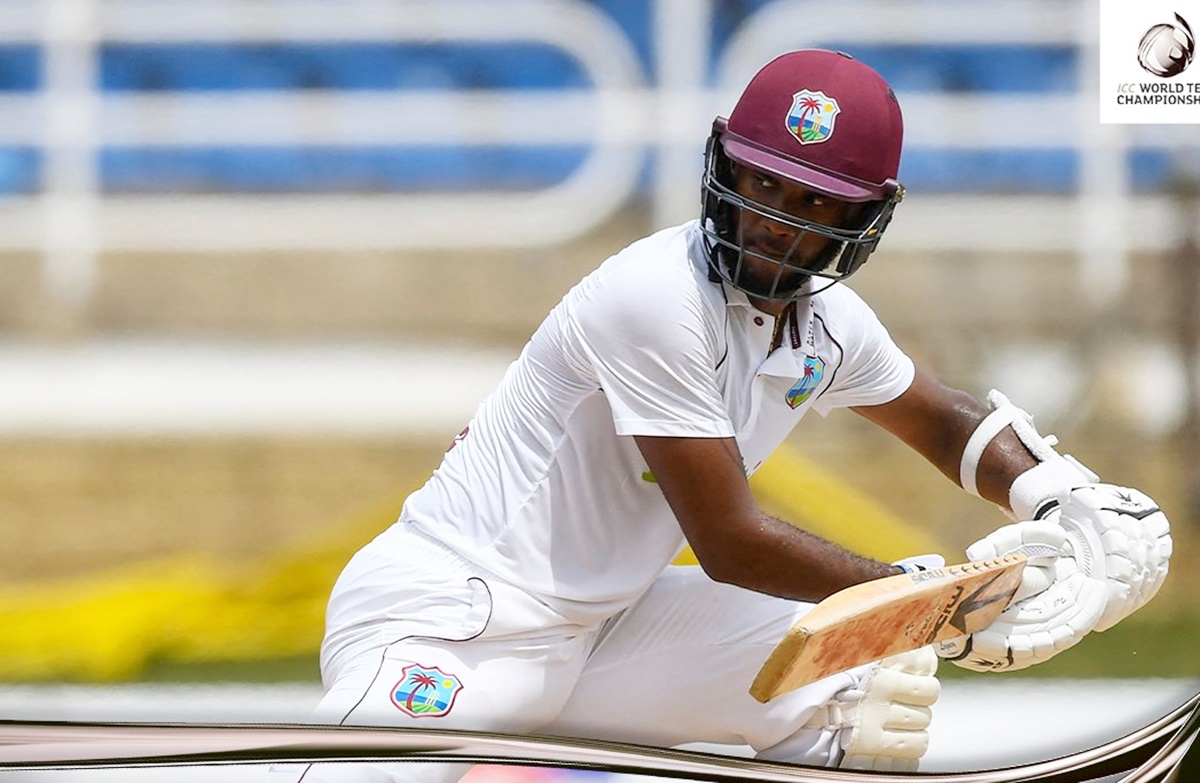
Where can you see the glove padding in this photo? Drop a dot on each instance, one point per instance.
(1036, 628)
(1120, 537)
(1038, 623)
(1041, 541)
(886, 721)
(1115, 549)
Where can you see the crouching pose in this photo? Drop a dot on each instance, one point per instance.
(527, 586)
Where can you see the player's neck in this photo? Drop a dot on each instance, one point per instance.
(771, 307)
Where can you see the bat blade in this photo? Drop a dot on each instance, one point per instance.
(888, 616)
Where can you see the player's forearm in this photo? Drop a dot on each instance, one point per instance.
(944, 436)
(772, 556)
(941, 423)
(704, 482)
(1004, 459)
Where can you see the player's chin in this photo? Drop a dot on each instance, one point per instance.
(770, 283)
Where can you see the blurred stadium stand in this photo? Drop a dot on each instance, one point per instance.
(196, 67)
(1037, 70)
(151, 126)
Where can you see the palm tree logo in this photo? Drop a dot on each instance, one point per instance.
(810, 379)
(421, 682)
(425, 691)
(808, 104)
(811, 117)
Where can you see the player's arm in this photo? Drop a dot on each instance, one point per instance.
(1114, 543)
(938, 422)
(736, 542)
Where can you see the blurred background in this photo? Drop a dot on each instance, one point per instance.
(260, 259)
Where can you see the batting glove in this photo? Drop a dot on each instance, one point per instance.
(888, 719)
(1121, 538)
(1055, 606)
(912, 565)
(1041, 541)
(1114, 558)
(1035, 629)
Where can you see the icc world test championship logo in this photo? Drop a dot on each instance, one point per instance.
(1167, 49)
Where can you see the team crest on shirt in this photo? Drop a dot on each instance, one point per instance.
(811, 117)
(425, 691)
(814, 370)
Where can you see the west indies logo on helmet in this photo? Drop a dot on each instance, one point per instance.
(813, 119)
(812, 115)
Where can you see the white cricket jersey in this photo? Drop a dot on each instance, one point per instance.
(547, 489)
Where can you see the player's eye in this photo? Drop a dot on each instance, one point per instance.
(765, 182)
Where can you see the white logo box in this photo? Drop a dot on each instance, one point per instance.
(1132, 84)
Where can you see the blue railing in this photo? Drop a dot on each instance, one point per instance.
(189, 67)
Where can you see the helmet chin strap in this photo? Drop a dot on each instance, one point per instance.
(812, 291)
(808, 288)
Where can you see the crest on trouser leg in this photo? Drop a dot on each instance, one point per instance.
(425, 691)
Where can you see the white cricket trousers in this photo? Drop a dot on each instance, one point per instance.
(436, 645)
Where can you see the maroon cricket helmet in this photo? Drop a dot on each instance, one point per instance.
(821, 120)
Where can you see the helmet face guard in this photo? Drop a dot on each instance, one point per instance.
(814, 120)
(723, 215)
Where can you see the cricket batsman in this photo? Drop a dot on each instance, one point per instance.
(527, 586)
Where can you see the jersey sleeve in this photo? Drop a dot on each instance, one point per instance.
(653, 343)
(874, 370)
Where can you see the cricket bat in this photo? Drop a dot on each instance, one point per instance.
(888, 616)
